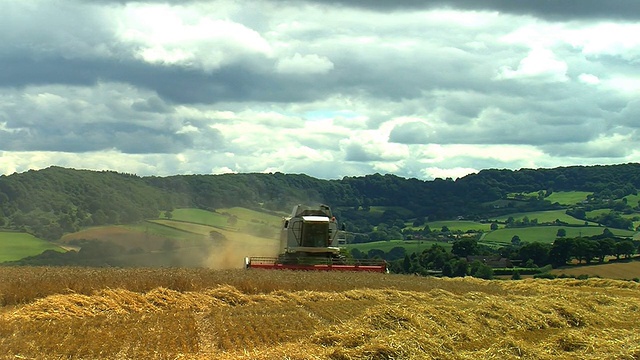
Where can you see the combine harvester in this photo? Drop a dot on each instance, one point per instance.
(310, 240)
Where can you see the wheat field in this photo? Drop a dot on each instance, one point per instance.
(82, 313)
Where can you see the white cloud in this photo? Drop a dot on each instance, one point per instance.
(307, 64)
(235, 86)
(174, 35)
(540, 64)
(606, 39)
(589, 79)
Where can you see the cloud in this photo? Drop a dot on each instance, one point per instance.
(540, 64)
(411, 133)
(327, 88)
(178, 36)
(553, 10)
(307, 64)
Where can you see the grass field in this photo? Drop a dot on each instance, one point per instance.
(199, 216)
(459, 225)
(568, 197)
(544, 217)
(54, 313)
(410, 245)
(546, 234)
(16, 245)
(220, 217)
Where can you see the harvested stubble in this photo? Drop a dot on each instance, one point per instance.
(286, 315)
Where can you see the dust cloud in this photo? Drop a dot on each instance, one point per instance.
(229, 253)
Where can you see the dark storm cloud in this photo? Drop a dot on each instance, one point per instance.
(356, 152)
(127, 138)
(549, 9)
(410, 133)
(176, 84)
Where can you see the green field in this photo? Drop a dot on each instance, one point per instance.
(459, 225)
(632, 199)
(409, 245)
(545, 234)
(567, 197)
(543, 217)
(246, 218)
(16, 245)
(199, 216)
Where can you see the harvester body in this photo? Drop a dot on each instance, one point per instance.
(311, 240)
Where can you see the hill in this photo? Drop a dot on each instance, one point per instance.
(54, 201)
(159, 221)
(203, 314)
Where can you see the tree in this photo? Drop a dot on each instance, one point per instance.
(481, 270)
(494, 226)
(456, 268)
(624, 247)
(561, 233)
(406, 264)
(460, 268)
(99, 217)
(561, 251)
(435, 257)
(585, 250)
(606, 247)
(515, 240)
(535, 251)
(516, 275)
(465, 247)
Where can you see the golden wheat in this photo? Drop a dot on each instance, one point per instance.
(81, 313)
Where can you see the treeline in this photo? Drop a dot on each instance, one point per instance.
(467, 257)
(57, 200)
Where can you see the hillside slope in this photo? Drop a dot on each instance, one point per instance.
(198, 314)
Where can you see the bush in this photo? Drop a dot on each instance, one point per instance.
(516, 275)
(544, 276)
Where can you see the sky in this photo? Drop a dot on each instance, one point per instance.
(417, 88)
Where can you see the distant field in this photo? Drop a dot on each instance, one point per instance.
(410, 246)
(545, 234)
(598, 212)
(16, 245)
(246, 220)
(622, 270)
(543, 216)
(459, 225)
(187, 226)
(632, 199)
(568, 197)
(199, 216)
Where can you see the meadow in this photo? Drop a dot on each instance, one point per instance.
(568, 197)
(74, 313)
(411, 246)
(16, 245)
(545, 234)
(549, 216)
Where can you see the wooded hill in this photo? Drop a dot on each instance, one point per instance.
(54, 201)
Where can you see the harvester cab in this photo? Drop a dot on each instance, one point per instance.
(310, 232)
(311, 240)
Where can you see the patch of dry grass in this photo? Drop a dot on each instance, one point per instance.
(201, 314)
(621, 270)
